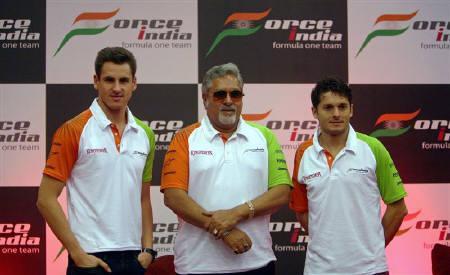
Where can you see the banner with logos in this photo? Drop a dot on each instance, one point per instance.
(394, 54)
(22, 233)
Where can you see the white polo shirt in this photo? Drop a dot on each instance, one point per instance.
(103, 173)
(342, 197)
(220, 174)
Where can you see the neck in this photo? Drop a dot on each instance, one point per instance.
(333, 143)
(227, 131)
(117, 117)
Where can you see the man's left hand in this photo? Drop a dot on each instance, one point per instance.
(145, 259)
(222, 221)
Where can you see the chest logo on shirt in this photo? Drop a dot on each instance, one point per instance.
(254, 150)
(201, 152)
(311, 176)
(361, 171)
(96, 151)
(142, 154)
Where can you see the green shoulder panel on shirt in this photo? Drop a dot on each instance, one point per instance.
(278, 171)
(147, 174)
(389, 181)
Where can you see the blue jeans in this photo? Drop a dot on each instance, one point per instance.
(120, 262)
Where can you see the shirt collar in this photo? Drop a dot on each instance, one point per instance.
(210, 132)
(104, 122)
(350, 144)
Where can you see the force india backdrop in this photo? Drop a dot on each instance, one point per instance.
(394, 54)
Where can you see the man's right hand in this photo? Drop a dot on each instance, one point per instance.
(85, 260)
(238, 241)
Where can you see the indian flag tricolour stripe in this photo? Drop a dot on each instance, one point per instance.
(88, 23)
(389, 25)
(242, 26)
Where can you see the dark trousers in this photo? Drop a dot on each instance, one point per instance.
(120, 262)
(269, 269)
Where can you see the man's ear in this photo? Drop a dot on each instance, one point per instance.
(205, 103)
(96, 80)
(314, 112)
(134, 83)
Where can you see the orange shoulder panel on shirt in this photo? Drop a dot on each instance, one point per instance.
(299, 198)
(175, 172)
(64, 149)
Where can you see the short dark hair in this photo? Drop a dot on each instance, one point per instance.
(116, 55)
(330, 84)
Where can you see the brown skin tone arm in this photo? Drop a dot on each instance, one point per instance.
(267, 203)
(51, 210)
(147, 225)
(303, 219)
(185, 207)
(393, 218)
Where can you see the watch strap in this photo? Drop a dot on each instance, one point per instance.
(150, 251)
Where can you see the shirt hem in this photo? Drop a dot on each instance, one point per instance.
(215, 270)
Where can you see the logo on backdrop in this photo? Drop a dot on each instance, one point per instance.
(15, 239)
(408, 218)
(164, 131)
(94, 23)
(299, 33)
(297, 131)
(164, 235)
(15, 136)
(388, 25)
(298, 239)
(242, 24)
(441, 227)
(22, 233)
(148, 33)
(394, 125)
(18, 34)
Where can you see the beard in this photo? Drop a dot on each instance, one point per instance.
(227, 120)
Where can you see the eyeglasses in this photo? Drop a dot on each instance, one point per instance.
(235, 95)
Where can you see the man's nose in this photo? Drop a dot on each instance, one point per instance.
(228, 99)
(336, 112)
(116, 86)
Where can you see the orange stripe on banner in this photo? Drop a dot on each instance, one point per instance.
(396, 17)
(255, 117)
(411, 216)
(247, 16)
(402, 231)
(95, 15)
(397, 117)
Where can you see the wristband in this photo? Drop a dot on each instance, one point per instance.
(150, 251)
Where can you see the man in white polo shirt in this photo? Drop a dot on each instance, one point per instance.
(339, 178)
(104, 158)
(223, 177)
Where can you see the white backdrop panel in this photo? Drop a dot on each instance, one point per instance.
(22, 134)
(417, 55)
(161, 34)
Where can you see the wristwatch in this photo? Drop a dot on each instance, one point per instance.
(150, 251)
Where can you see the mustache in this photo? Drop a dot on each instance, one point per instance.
(228, 108)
